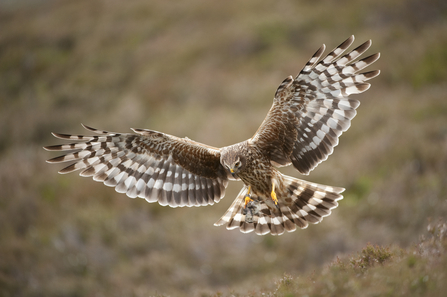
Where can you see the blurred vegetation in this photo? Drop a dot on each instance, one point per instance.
(208, 70)
(378, 271)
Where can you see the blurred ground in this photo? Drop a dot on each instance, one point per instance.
(207, 70)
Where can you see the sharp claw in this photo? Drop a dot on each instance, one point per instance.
(273, 194)
(274, 198)
(247, 197)
(247, 200)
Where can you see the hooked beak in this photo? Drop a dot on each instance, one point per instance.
(232, 172)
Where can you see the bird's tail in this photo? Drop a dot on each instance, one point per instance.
(301, 203)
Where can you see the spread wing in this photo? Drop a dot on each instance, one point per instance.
(152, 165)
(313, 109)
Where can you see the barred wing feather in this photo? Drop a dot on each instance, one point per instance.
(312, 110)
(151, 165)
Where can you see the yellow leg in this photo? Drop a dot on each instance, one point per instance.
(273, 194)
(247, 197)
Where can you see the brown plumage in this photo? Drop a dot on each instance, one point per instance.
(308, 114)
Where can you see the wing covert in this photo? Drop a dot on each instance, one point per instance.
(152, 165)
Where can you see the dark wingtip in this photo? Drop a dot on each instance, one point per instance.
(88, 128)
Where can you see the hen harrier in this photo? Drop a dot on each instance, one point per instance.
(308, 114)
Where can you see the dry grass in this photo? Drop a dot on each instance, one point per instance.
(208, 70)
(378, 271)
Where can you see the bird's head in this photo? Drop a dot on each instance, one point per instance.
(232, 161)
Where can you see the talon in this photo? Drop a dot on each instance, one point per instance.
(273, 194)
(247, 197)
(247, 200)
(274, 198)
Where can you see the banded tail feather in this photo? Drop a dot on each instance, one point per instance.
(305, 203)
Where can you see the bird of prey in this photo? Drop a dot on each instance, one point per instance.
(308, 115)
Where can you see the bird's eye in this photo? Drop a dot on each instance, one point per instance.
(237, 164)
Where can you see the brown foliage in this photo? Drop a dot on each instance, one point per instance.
(208, 70)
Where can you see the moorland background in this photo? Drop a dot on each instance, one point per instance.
(208, 70)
